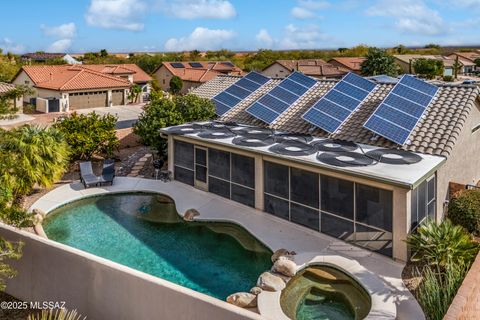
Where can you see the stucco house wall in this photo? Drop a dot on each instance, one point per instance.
(24, 79)
(163, 77)
(463, 165)
(276, 70)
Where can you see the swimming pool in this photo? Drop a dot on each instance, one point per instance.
(143, 231)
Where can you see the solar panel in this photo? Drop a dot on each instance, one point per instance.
(396, 117)
(333, 109)
(177, 65)
(230, 97)
(270, 106)
(195, 64)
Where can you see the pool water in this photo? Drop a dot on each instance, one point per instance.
(144, 231)
(324, 293)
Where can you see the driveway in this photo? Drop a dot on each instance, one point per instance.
(127, 114)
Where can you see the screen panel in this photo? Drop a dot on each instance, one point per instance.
(333, 109)
(397, 116)
(269, 107)
(230, 97)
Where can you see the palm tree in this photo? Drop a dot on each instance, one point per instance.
(135, 90)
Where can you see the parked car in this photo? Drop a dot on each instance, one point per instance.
(469, 82)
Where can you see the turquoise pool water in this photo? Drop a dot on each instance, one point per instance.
(143, 231)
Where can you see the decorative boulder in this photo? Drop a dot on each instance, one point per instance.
(256, 290)
(40, 212)
(243, 299)
(285, 266)
(190, 214)
(280, 253)
(270, 282)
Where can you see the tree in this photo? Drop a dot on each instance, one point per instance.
(428, 68)
(477, 62)
(7, 108)
(162, 112)
(400, 49)
(103, 53)
(135, 91)
(8, 251)
(457, 66)
(194, 54)
(89, 134)
(176, 84)
(377, 62)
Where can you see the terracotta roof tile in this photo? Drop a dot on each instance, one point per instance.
(436, 133)
(207, 71)
(6, 87)
(120, 69)
(351, 63)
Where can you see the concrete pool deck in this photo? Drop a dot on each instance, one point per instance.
(274, 232)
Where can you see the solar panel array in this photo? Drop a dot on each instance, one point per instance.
(270, 106)
(399, 113)
(230, 97)
(333, 109)
(195, 64)
(177, 65)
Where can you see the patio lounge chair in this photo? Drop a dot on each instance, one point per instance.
(108, 171)
(87, 177)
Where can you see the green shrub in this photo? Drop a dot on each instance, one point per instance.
(437, 290)
(8, 251)
(464, 210)
(163, 112)
(58, 314)
(448, 78)
(176, 84)
(89, 134)
(442, 245)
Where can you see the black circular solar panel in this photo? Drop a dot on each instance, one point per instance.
(253, 132)
(344, 159)
(216, 134)
(334, 145)
(293, 148)
(280, 137)
(253, 141)
(394, 156)
(187, 129)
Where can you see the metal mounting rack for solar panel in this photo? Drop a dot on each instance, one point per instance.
(337, 105)
(399, 113)
(281, 97)
(234, 94)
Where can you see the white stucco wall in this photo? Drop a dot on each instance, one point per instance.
(100, 289)
(276, 70)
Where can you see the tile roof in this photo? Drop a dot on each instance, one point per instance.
(351, 63)
(6, 87)
(312, 67)
(406, 58)
(436, 133)
(468, 55)
(207, 71)
(121, 69)
(71, 78)
(43, 55)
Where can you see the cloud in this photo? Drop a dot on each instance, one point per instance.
(61, 45)
(200, 39)
(8, 45)
(264, 39)
(412, 16)
(198, 9)
(295, 37)
(116, 14)
(307, 9)
(66, 30)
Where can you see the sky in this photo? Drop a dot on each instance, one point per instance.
(178, 25)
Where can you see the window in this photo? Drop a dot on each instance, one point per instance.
(276, 206)
(374, 206)
(243, 170)
(305, 216)
(276, 179)
(336, 227)
(423, 202)
(337, 196)
(304, 187)
(183, 162)
(219, 164)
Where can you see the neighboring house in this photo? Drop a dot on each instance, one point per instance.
(317, 68)
(67, 88)
(467, 59)
(352, 64)
(39, 57)
(324, 181)
(405, 62)
(6, 88)
(193, 73)
(131, 72)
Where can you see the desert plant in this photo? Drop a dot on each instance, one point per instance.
(56, 314)
(89, 134)
(176, 84)
(464, 210)
(448, 78)
(442, 245)
(379, 61)
(8, 251)
(437, 290)
(135, 91)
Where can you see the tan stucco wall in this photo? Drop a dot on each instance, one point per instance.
(463, 165)
(163, 77)
(401, 207)
(405, 67)
(23, 79)
(276, 70)
(100, 289)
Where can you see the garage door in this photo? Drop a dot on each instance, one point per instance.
(85, 100)
(117, 97)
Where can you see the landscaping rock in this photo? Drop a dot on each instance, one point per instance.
(280, 253)
(190, 214)
(285, 266)
(39, 212)
(256, 290)
(270, 282)
(243, 299)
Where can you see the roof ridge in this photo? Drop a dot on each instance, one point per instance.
(69, 80)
